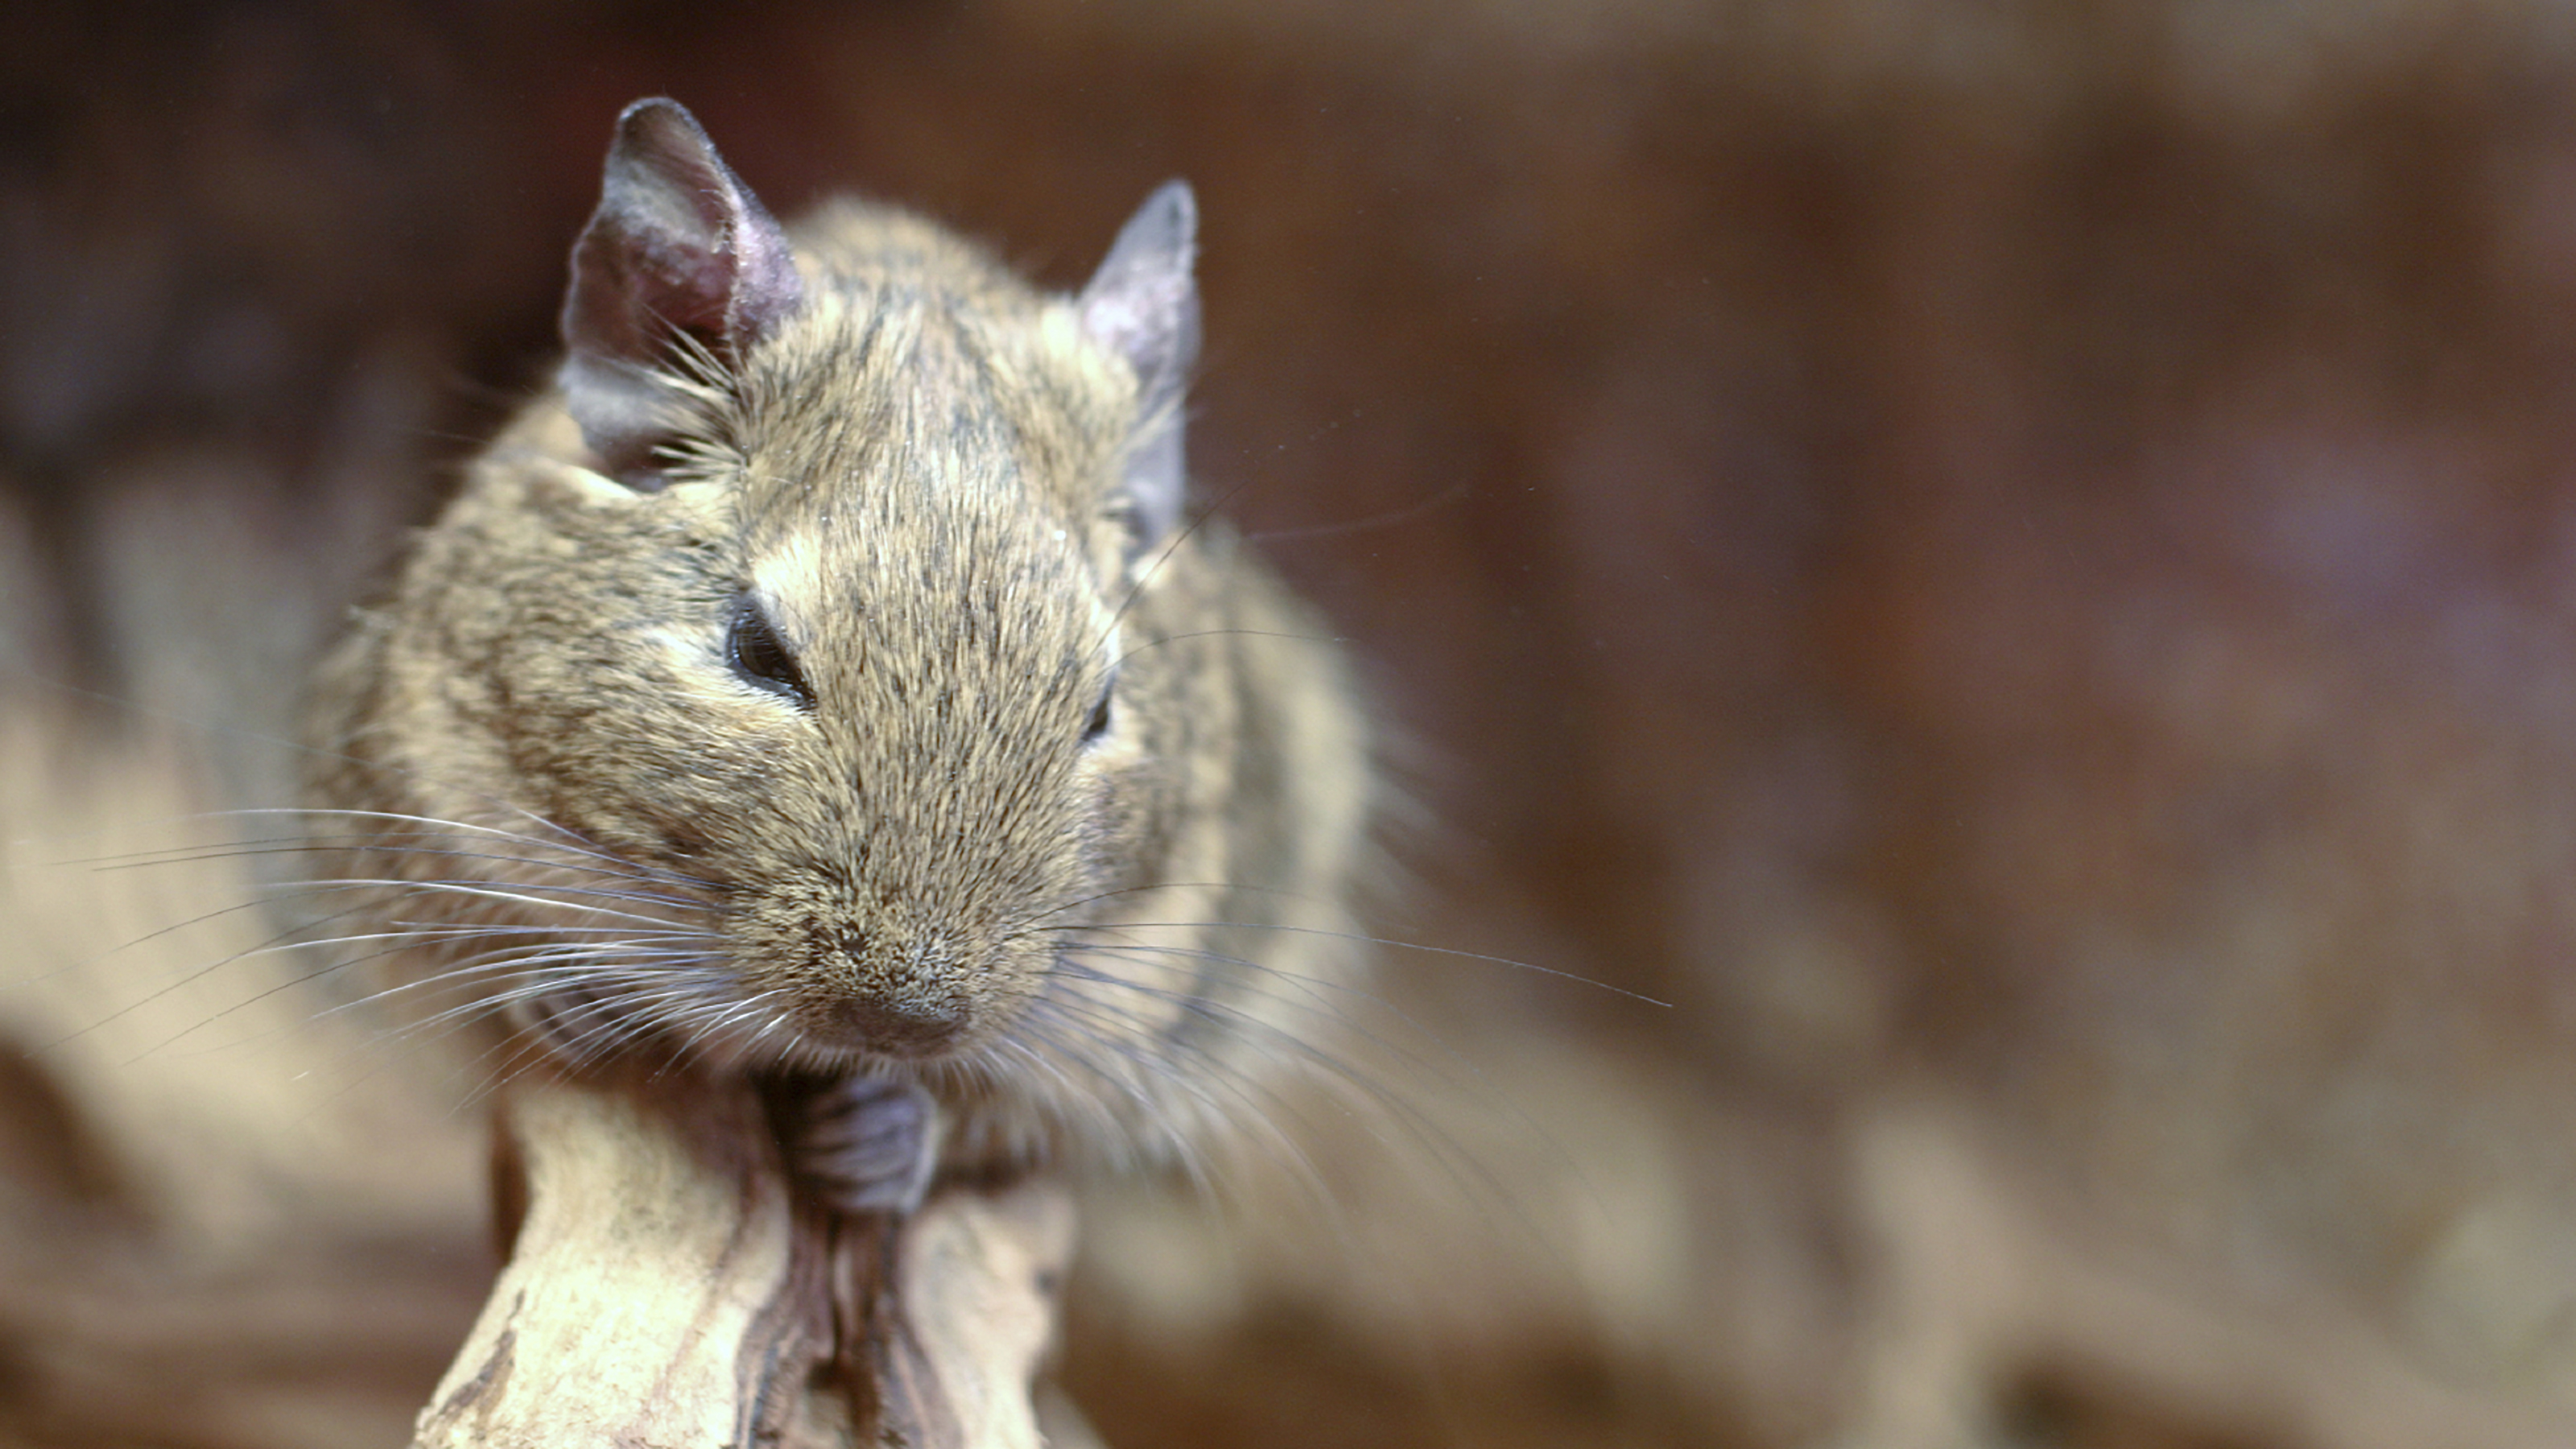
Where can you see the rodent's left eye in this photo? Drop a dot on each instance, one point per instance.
(756, 653)
(1099, 723)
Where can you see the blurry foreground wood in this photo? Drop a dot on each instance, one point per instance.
(264, 1210)
(667, 1287)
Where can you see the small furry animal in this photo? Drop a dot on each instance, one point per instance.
(823, 681)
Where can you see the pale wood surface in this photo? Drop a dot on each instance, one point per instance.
(668, 1288)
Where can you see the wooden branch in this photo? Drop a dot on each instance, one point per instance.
(668, 1288)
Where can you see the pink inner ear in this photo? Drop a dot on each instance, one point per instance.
(685, 288)
(677, 244)
(1143, 304)
(1143, 301)
(766, 288)
(677, 241)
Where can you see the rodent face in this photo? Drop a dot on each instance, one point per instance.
(822, 678)
(855, 668)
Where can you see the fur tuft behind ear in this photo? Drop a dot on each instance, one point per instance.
(678, 246)
(1143, 304)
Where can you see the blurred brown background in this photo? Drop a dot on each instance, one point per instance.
(2014, 562)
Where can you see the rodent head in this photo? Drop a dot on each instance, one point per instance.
(809, 593)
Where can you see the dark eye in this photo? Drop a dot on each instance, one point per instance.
(756, 653)
(1099, 723)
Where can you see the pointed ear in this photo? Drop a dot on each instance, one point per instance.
(1143, 304)
(678, 245)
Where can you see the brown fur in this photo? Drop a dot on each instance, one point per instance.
(915, 476)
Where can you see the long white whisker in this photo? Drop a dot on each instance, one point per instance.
(1391, 944)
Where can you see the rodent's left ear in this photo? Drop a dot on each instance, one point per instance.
(1143, 304)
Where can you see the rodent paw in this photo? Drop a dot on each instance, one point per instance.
(866, 1144)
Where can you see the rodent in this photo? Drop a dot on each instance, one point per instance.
(824, 678)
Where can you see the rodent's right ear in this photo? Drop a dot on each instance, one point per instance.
(678, 247)
(1143, 304)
